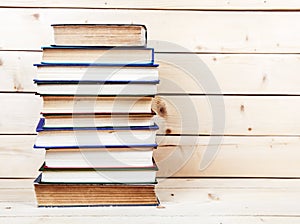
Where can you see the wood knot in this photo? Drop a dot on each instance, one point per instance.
(264, 78)
(213, 197)
(249, 129)
(168, 131)
(162, 111)
(242, 108)
(36, 16)
(1, 62)
(160, 107)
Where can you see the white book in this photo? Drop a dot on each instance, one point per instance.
(92, 175)
(100, 89)
(70, 72)
(92, 137)
(99, 157)
(98, 55)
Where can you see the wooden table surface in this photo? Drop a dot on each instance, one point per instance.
(205, 200)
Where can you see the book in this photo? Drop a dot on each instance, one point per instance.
(65, 72)
(94, 120)
(99, 157)
(97, 89)
(130, 175)
(100, 34)
(96, 105)
(132, 136)
(98, 55)
(93, 194)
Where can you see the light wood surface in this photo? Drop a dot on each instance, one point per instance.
(217, 31)
(181, 156)
(243, 115)
(249, 49)
(233, 73)
(165, 4)
(182, 200)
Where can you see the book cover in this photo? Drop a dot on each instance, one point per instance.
(40, 127)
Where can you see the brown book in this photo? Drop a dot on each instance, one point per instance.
(89, 194)
(96, 105)
(100, 34)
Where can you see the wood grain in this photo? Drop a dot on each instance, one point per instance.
(233, 73)
(180, 156)
(165, 4)
(18, 158)
(233, 32)
(251, 219)
(273, 156)
(19, 113)
(228, 115)
(243, 115)
(239, 202)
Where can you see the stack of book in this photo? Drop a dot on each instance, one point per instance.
(97, 83)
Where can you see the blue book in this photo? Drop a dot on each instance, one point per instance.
(85, 73)
(95, 137)
(94, 88)
(98, 55)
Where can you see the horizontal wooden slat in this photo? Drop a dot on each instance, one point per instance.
(17, 157)
(181, 156)
(243, 115)
(165, 4)
(17, 70)
(19, 113)
(236, 32)
(208, 204)
(185, 73)
(235, 157)
(150, 219)
(229, 115)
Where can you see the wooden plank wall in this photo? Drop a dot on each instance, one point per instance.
(249, 48)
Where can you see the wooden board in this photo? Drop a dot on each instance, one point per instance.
(180, 156)
(19, 113)
(17, 71)
(235, 157)
(233, 73)
(243, 115)
(165, 4)
(239, 115)
(234, 32)
(17, 157)
(182, 200)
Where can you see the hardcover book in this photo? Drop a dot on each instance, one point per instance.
(97, 105)
(100, 34)
(81, 72)
(93, 194)
(99, 157)
(133, 136)
(100, 88)
(98, 55)
(104, 175)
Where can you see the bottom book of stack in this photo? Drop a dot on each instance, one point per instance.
(101, 186)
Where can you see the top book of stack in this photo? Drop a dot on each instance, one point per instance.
(100, 35)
